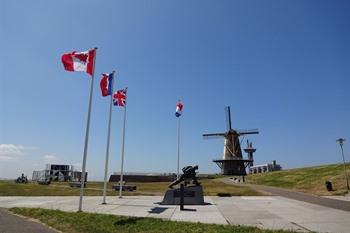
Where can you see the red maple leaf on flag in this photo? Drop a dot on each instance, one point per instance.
(81, 56)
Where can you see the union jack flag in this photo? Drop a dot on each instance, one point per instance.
(119, 97)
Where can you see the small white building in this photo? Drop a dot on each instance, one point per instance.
(262, 168)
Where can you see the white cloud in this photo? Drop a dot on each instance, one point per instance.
(6, 158)
(50, 158)
(12, 152)
(16, 159)
(8, 150)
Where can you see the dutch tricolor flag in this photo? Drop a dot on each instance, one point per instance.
(106, 84)
(179, 107)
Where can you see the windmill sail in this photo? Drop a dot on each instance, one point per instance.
(247, 131)
(213, 135)
(228, 118)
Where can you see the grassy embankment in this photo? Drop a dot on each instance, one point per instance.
(210, 186)
(69, 222)
(308, 179)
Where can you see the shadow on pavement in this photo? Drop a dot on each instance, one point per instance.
(157, 210)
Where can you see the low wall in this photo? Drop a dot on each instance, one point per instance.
(142, 178)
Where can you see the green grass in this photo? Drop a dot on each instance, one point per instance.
(210, 186)
(308, 179)
(102, 223)
(9, 188)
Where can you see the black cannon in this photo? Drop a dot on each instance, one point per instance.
(189, 174)
(22, 179)
(190, 191)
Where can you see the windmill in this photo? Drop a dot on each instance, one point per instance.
(232, 162)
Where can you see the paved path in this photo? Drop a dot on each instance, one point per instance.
(10, 223)
(342, 198)
(270, 212)
(328, 202)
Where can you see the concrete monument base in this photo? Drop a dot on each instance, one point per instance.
(193, 195)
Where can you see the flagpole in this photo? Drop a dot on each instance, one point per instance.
(122, 162)
(178, 148)
(83, 173)
(108, 142)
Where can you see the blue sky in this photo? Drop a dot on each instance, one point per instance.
(282, 66)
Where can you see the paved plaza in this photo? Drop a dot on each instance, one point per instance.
(10, 223)
(271, 212)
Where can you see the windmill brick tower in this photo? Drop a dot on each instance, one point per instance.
(232, 162)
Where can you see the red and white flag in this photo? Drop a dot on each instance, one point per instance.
(79, 61)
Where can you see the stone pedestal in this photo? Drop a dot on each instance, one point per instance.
(193, 195)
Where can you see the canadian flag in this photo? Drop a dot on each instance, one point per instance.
(79, 61)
